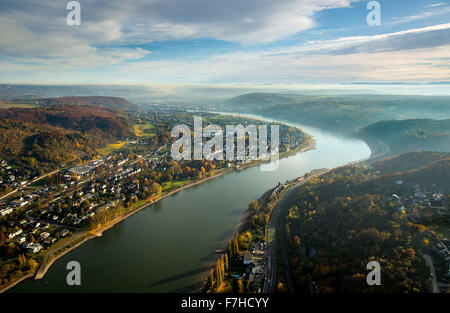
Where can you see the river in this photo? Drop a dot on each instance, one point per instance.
(169, 246)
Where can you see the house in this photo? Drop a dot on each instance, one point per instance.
(6, 211)
(33, 247)
(44, 235)
(64, 232)
(15, 233)
(21, 239)
(19, 203)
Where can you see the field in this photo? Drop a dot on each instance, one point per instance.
(111, 147)
(17, 104)
(169, 185)
(144, 130)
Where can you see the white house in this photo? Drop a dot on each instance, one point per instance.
(44, 235)
(14, 234)
(6, 211)
(33, 247)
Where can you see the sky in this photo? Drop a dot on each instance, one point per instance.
(237, 42)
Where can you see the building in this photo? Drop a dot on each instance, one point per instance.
(44, 235)
(6, 211)
(20, 203)
(15, 233)
(21, 239)
(33, 247)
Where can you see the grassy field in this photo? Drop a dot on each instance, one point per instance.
(18, 104)
(111, 147)
(176, 184)
(144, 130)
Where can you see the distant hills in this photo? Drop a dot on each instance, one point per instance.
(409, 135)
(97, 101)
(345, 114)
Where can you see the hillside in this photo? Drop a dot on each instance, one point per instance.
(345, 114)
(409, 135)
(408, 161)
(348, 217)
(106, 102)
(40, 139)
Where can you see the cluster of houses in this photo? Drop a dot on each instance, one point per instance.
(432, 205)
(33, 236)
(13, 177)
(431, 202)
(79, 190)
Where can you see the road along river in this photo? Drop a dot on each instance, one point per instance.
(169, 246)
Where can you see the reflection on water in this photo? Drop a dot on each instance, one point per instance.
(169, 246)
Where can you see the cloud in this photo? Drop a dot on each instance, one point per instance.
(425, 15)
(434, 5)
(410, 55)
(108, 46)
(417, 38)
(246, 22)
(36, 31)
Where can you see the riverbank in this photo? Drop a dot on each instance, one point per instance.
(379, 149)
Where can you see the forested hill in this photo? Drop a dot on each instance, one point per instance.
(345, 114)
(40, 139)
(107, 102)
(409, 135)
(409, 161)
(342, 220)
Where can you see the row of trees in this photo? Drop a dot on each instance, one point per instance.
(222, 269)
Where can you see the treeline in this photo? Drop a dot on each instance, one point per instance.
(97, 101)
(221, 279)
